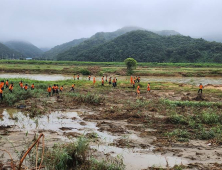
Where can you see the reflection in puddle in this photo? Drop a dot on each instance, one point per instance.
(70, 121)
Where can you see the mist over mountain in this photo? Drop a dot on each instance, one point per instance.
(53, 52)
(146, 46)
(96, 40)
(7, 53)
(27, 49)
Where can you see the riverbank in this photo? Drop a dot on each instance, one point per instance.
(115, 68)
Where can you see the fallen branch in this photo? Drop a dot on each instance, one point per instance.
(12, 164)
(37, 141)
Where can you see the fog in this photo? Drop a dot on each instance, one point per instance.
(47, 23)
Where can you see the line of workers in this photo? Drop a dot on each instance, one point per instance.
(55, 89)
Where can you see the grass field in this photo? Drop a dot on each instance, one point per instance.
(118, 68)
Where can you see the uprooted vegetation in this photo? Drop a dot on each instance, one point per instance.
(171, 119)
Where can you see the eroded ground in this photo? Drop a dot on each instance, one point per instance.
(157, 130)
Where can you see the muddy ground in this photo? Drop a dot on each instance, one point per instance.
(122, 128)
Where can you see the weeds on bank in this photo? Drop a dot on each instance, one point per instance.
(76, 155)
(88, 98)
(204, 125)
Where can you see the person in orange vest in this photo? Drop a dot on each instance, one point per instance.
(89, 77)
(200, 88)
(133, 84)
(61, 89)
(103, 81)
(6, 84)
(94, 80)
(53, 89)
(57, 89)
(138, 91)
(131, 79)
(114, 80)
(148, 87)
(74, 77)
(49, 90)
(11, 87)
(1, 94)
(26, 87)
(110, 80)
(73, 87)
(32, 86)
(21, 85)
(77, 77)
(2, 85)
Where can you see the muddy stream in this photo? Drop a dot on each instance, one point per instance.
(57, 77)
(56, 126)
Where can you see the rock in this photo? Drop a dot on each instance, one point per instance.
(66, 128)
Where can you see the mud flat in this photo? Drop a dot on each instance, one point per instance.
(17, 129)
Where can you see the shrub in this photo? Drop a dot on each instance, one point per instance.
(84, 71)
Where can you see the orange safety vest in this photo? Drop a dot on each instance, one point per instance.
(138, 89)
(94, 80)
(10, 87)
(102, 80)
(32, 86)
(6, 83)
(26, 87)
(201, 86)
(21, 85)
(73, 86)
(148, 87)
(131, 80)
(49, 89)
(1, 91)
(114, 80)
(61, 88)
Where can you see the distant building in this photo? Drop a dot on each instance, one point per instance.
(28, 58)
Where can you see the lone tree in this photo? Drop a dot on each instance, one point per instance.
(130, 64)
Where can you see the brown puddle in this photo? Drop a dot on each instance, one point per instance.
(57, 124)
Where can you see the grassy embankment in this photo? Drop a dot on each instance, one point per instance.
(100, 68)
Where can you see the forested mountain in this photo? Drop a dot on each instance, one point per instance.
(146, 46)
(52, 53)
(94, 41)
(6, 53)
(27, 49)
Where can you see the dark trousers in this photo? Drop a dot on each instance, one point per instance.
(1, 97)
(200, 91)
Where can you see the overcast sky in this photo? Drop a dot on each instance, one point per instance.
(47, 23)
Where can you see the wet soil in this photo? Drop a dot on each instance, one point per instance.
(117, 126)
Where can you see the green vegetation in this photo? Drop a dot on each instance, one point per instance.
(6, 53)
(118, 68)
(76, 155)
(145, 46)
(52, 53)
(27, 50)
(98, 39)
(130, 64)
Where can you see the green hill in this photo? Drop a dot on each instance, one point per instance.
(52, 53)
(27, 49)
(146, 46)
(94, 41)
(7, 53)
